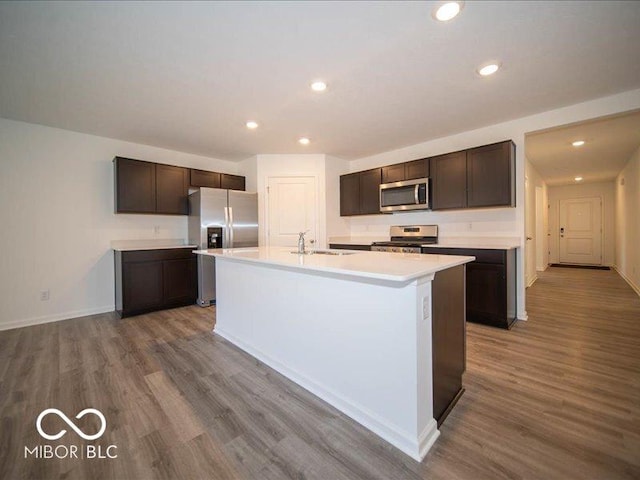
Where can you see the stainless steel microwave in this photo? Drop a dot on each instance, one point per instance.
(406, 195)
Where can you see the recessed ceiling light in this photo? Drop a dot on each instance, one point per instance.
(318, 86)
(578, 179)
(488, 69)
(252, 125)
(304, 141)
(578, 143)
(446, 11)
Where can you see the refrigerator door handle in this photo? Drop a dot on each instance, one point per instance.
(231, 227)
(225, 237)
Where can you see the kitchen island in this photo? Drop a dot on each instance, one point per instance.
(380, 336)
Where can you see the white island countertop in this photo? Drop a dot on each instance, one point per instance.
(389, 267)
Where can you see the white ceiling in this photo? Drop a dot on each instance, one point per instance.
(609, 144)
(187, 76)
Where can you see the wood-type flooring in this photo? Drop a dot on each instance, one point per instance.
(556, 397)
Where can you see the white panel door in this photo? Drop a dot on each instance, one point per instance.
(581, 231)
(291, 209)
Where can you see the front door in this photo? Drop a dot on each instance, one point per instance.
(581, 231)
(291, 209)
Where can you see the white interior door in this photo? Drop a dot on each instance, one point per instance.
(581, 231)
(529, 230)
(541, 236)
(291, 208)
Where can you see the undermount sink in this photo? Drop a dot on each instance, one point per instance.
(323, 252)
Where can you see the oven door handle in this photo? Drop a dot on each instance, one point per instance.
(415, 194)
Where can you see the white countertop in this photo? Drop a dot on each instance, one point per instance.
(358, 240)
(394, 267)
(488, 243)
(159, 244)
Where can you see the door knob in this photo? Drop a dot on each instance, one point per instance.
(529, 238)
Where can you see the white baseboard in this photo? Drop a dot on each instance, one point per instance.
(427, 438)
(416, 448)
(27, 322)
(628, 280)
(532, 281)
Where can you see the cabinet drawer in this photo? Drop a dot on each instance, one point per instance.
(157, 255)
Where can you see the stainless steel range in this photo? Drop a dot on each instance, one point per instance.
(408, 239)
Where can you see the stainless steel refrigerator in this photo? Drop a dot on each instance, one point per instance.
(220, 219)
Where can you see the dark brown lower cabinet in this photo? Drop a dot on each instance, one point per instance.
(148, 280)
(448, 340)
(491, 284)
(349, 246)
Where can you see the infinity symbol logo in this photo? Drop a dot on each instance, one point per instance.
(46, 412)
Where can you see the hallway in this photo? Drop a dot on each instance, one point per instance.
(559, 395)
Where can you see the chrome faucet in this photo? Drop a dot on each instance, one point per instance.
(301, 242)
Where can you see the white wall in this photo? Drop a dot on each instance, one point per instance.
(249, 169)
(292, 165)
(533, 179)
(336, 225)
(627, 191)
(56, 212)
(491, 222)
(604, 190)
(56, 193)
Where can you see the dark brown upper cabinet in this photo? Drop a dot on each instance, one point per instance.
(449, 181)
(202, 178)
(416, 169)
(350, 194)
(393, 173)
(360, 193)
(370, 191)
(135, 186)
(172, 190)
(232, 182)
(474, 178)
(490, 175)
(406, 171)
(146, 187)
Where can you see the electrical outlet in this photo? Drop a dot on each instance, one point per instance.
(44, 295)
(426, 310)
(470, 226)
(156, 230)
